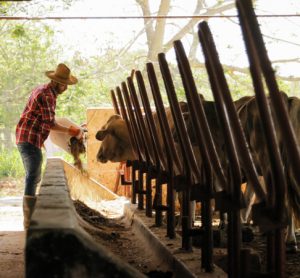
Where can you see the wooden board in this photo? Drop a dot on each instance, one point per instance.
(103, 173)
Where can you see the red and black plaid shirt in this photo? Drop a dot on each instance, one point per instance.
(38, 116)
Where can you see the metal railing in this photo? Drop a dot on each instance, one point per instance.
(204, 167)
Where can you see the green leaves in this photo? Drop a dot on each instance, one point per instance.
(10, 163)
(18, 31)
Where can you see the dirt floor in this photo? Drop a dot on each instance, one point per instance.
(12, 238)
(292, 260)
(10, 187)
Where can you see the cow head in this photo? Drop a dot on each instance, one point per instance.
(116, 146)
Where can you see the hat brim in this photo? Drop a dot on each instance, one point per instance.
(70, 81)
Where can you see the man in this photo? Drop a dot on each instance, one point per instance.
(33, 128)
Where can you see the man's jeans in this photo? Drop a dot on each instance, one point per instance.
(32, 160)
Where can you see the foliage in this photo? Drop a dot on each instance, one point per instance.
(22, 61)
(28, 48)
(11, 163)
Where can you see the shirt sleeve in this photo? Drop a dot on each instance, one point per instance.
(48, 104)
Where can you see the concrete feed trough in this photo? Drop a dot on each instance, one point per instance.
(57, 246)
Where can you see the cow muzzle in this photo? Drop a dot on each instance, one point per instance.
(101, 157)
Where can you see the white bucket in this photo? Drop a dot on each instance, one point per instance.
(62, 139)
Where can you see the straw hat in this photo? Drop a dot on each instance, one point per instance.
(62, 75)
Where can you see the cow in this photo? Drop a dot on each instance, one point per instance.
(116, 146)
(214, 126)
(115, 136)
(217, 136)
(250, 121)
(251, 125)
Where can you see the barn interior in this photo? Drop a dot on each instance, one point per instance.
(125, 219)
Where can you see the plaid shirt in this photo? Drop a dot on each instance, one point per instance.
(38, 116)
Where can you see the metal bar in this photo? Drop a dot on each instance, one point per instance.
(203, 135)
(119, 174)
(133, 142)
(240, 141)
(149, 148)
(234, 229)
(278, 191)
(185, 143)
(191, 169)
(200, 124)
(160, 162)
(174, 163)
(145, 137)
(136, 17)
(133, 139)
(276, 250)
(141, 143)
(174, 167)
(289, 139)
(144, 134)
(114, 101)
(154, 140)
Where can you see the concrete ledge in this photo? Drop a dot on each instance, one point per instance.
(56, 246)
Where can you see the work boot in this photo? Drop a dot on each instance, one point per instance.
(28, 208)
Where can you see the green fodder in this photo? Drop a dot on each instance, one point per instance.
(11, 163)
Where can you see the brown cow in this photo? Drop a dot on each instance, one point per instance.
(115, 137)
(116, 146)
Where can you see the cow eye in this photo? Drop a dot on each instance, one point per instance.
(100, 135)
(114, 133)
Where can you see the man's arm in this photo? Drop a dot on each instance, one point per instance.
(60, 128)
(72, 130)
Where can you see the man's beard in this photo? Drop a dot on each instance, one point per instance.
(58, 90)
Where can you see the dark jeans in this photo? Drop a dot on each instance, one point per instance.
(32, 160)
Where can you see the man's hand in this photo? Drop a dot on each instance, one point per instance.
(75, 132)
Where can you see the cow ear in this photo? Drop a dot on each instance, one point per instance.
(101, 134)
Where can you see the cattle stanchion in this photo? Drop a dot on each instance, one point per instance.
(282, 116)
(202, 130)
(266, 118)
(123, 169)
(209, 158)
(174, 168)
(152, 158)
(191, 170)
(134, 164)
(212, 57)
(144, 155)
(276, 183)
(115, 102)
(288, 136)
(226, 111)
(160, 161)
(209, 180)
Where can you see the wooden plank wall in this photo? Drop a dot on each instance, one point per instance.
(102, 173)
